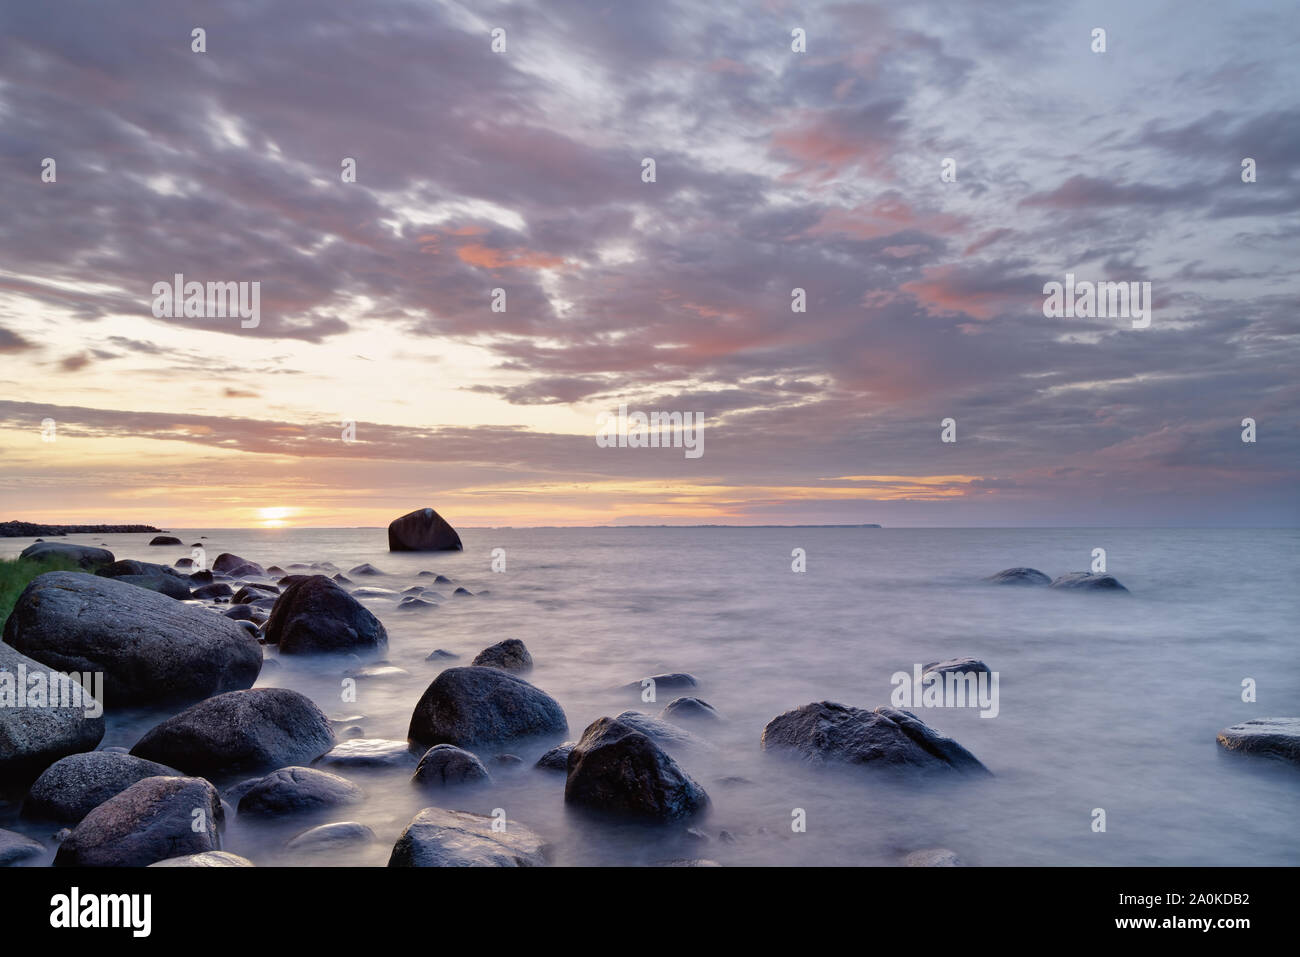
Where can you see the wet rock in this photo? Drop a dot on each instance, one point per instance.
(341, 579)
(508, 761)
(328, 837)
(1019, 576)
(687, 862)
(364, 569)
(168, 585)
(508, 655)
(201, 577)
(253, 592)
(483, 706)
(1268, 737)
(410, 603)
(439, 838)
(275, 571)
(150, 821)
(661, 731)
(690, 709)
(462, 591)
(315, 615)
(957, 666)
(234, 566)
(423, 530)
(164, 540)
(616, 768)
(297, 790)
(150, 648)
(214, 591)
(380, 671)
(240, 732)
(84, 555)
(441, 654)
(370, 753)
(446, 764)
(369, 591)
(666, 682)
(33, 738)
(128, 566)
(829, 733)
(1086, 581)
(206, 859)
(413, 590)
(74, 786)
(933, 857)
(556, 759)
(437, 579)
(15, 848)
(244, 613)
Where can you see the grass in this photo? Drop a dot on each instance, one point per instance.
(15, 573)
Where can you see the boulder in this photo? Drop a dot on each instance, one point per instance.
(129, 566)
(294, 790)
(33, 738)
(150, 648)
(228, 564)
(371, 591)
(15, 847)
(328, 837)
(446, 764)
(556, 759)
(615, 768)
(214, 591)
(370, 753)
(668, 682)
(439, 838)
(150, 821)
(168, 585)
(690, 709)
(252, 592)
(245, 613)
(1268, 737)
(206, 859)
(74, 786)
(164, 540)
(423, 530)
(508, 655)
(440, 654)
(314, 615)
(829, 733)
(84, 555)
(957, 666)
(364, 569)
(1087, 581)
(462, 591)
(240, 732)
(661, 731)
(483, 706)
(1019, 576)
(411, 603)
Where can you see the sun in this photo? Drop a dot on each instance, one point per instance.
(274, 517)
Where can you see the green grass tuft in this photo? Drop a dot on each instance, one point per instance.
(15, 573)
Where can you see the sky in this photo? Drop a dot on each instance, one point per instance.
(522, 169)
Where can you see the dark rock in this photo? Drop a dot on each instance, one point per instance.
(328, 837)
(668, 682)
(74, 786)
(483, 706)
(463, 591)
(616, 768)
(203, 577)
(15, 847)
(413, 590)
(423, 530)
(206, 859)
(1086, 581)
(690, 709)
(370, 753)
(660, 731)
(1019, 576)
(508, 761)
(240, 732)
(315, 615)
(957, 666)
(1269, 737)
(438, 838)
(296, 790)
(184, 563)
(829, 733)
(252, 629)
(150, 648)
(342, 580)
(228, 564)
(164, 540)
(252, 592)
(213, 591)
(687, 862)
(446, 764)
(440, 654)
(556, 759)
(168, 585)
(364, 569)
(152, 820)
(129, 566)
(369, 591)
(508, 655)
(414, 604)
(243, 613)
(84, 555)
(275, 571)
(932, 857)
(33, 738)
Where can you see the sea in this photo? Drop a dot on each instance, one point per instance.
(1107, 702)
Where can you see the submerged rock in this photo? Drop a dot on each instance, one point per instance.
(1019, 576)
(164, 540)
(661, 731)
(1086, 581)
(1268, 737)
(667, 682)
(556, 759)
(240, 732)
(293, 790)
(233, 565)
(254, 592)
(328, 837)
(33, 738)
(150, 821)
(15, 847)
(933, 857)
(370, 753)
(74, 786)
(829, 733)
(364, 569)
(411, 603)
(206, 859)
(690, 709)
(483, 706)
(315, 615)
(423, 530)
(508, 655)
(446, 764)
(438, 838)
(957, 665)
(616, 768)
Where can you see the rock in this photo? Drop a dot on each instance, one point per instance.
(1086, 581)
(150, 821)
(462, 591)
(74, 786)
(483, 706)
(233, 565)
(341, 579)
(129, 566)
(440, 654)
(437, 579)
(206, 859)
(556, 759)
(661, 731)
(295, 790)
(164, 540)
(364, 569)
(508, 655)
(438, 838)
(244, 613)
(328, 837)
(84, 555)
(414, 604)
(240, 732)
(829, 733)
(150, 648)
(201, 577)
(275, 571)
(33, 738)
(379, 671)
(214, 591)
(315, 615)
(370, 753)
(1269, 737)
(252, 592)
(668, 682)
(687, 862)
(690, 709)
(252, 629)
(616, 768)
(446, 764)
(183, 563)
(370, 591)
(413, 590)
(168, 585)
(508, 761)
(957, 666)
(423, 530)
(1019, 576)
(933, 857)
(15, 847)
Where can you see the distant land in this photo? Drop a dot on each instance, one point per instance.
(25, 529)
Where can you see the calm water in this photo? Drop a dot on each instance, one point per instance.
(1106, 701)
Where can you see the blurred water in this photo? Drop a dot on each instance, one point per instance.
(1107, 701)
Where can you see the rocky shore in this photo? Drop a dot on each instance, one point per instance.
(30, 529)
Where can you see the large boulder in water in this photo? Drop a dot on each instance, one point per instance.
(74, 786)
(1087, 581)
(84, 555)
(508, 655)
(829, 733)
(423, 530)
(438, 838)
(314, 614)
(445, 764)
(240, 732)
(233, 565)
(1269, 737)
(168, 585)
(476, 706)
(1019, 576)
(129, 566)
(150, 821)
(164, 540)
(616, 768)
(150, 648)
(33, 738)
